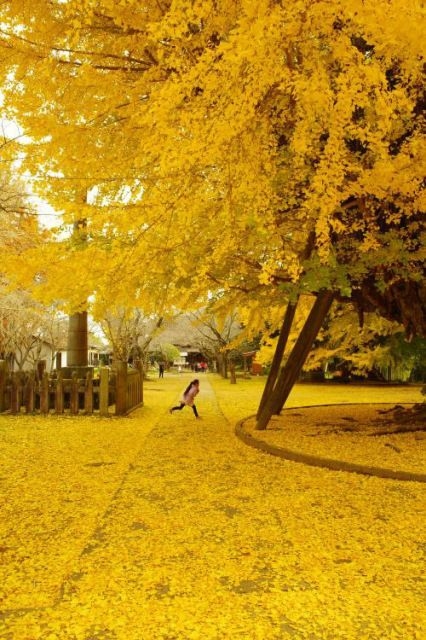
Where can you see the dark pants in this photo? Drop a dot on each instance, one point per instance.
(182, 405)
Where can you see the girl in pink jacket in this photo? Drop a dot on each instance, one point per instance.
(188, 398)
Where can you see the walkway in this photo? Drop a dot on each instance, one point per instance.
(208, 538)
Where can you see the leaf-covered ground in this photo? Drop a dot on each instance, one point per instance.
(159, 526)
(365, 435)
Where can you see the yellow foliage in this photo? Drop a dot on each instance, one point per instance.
(216, 136)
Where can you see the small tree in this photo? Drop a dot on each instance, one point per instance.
(216, 336)
(130, 333)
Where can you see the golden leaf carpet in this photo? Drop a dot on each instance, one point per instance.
(158, 526)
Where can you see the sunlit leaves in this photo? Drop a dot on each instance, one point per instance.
(246, 126)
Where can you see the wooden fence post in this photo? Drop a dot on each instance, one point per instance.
(59, 393)
(14, 400)
(30, 393)
(88, 393)
(121, 388)
(74, 393)
(3, 375)
(103, 391)
(44, 393)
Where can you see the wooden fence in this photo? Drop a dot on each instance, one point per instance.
(115, 392)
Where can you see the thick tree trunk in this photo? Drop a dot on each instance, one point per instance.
(78, 345)
(278, 355)
(77, 340)
(298, 355)
(222, 362)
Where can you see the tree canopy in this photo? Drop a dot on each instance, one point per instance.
(258, 148)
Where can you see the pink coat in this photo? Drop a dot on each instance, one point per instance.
(188, 399)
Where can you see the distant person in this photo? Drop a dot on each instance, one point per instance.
(161, 370)
(188, 398)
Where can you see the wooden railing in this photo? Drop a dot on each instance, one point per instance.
(115, 392)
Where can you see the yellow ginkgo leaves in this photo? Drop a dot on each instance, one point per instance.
(156, 526)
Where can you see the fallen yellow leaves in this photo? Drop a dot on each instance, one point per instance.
(359, 434)
(58, 476)
(192, 534)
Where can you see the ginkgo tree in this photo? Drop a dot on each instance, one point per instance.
(258, 148)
